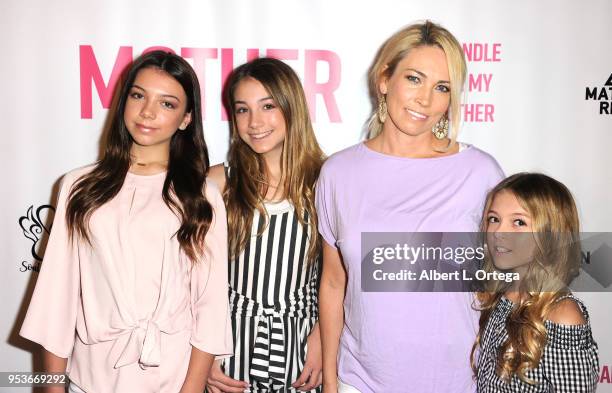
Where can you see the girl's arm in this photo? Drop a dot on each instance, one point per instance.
(331, 317)
(54, 364)
(218, 382)
(570, 361)
(211, 333)
(52, 314)
(311, 375)
(197, 373)
(216, 173)
(566, 312)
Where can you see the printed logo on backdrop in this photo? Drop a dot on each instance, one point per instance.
(596, 258)
(481, 58)
(321, 72)
(603, 95)
(598, 265)
(36, 226)
(604, 374)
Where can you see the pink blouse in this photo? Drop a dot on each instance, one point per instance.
(127, 309)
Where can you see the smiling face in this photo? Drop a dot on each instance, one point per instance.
(155, 108)
(418, 92)
(510, 237)
(259, 121)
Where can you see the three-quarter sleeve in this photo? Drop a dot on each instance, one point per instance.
(326, 212)
(51, 317)
(212, 329)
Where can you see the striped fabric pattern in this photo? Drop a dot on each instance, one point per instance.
(273, 297)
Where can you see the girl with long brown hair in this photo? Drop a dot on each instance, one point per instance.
(133, 286)
(534, 335)
(268, 182)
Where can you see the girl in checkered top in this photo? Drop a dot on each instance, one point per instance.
(534, 336)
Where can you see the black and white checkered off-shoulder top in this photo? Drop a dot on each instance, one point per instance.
(569, 362)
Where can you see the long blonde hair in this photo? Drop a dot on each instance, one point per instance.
(556, 262)
(301, 161)
(398, 46)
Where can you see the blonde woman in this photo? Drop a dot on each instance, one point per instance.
(410, 176)
(534, 336)
(268, 184)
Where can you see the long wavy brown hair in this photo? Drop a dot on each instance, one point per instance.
(184, 186)
(301, 161)
(556, 263)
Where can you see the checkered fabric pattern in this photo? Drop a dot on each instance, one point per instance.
(569, 363)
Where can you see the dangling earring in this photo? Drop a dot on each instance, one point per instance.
(382, 109)
(440, 129)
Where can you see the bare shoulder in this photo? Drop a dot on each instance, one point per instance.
(567, 312)
(216, 174)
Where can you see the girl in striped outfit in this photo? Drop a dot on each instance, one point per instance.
(268, 183)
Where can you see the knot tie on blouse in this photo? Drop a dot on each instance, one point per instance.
(269, 353)
(142, 345)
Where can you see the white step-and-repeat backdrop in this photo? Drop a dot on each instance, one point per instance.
(538, 98)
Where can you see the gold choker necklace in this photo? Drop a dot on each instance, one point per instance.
(163, 163)
(151, 163)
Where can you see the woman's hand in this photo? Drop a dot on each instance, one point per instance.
(311, 375)
(218, 382)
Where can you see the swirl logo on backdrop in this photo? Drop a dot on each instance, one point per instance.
(36, 226)
(602, 94)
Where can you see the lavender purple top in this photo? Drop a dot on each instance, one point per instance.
(399, 342)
